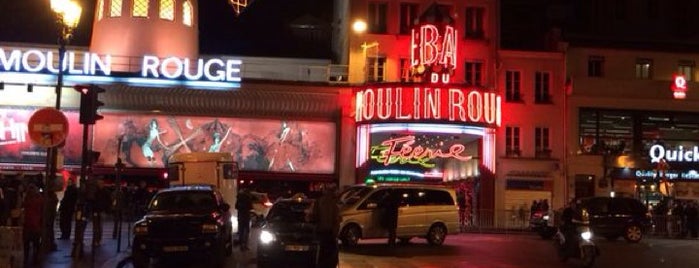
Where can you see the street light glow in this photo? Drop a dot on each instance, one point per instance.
(359, 26)
(68, 12)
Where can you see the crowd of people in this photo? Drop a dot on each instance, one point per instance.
(682, 219)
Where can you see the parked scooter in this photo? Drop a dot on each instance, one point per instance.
(580, 245)
(542, 222)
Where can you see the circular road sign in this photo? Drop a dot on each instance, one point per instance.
(48, 127)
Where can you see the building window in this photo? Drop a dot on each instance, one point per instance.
(187, 13)
(100, 9)
(644, 68)
(512, 142)
(406, 72)
(595, 66)
(512, 82)
(541, 87)
(377, 17)
(474, 23)
(686, 68)
(115, 8)
(140, 8)
(541, 142)
(167, 9)
(375, 69)
(408, 15)
(474, 73)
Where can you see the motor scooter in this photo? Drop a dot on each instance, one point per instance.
(580, 245)
(542, 222)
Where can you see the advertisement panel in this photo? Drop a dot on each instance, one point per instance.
(256, 144)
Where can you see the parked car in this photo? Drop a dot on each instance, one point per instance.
(286, 238)
(191, 220)
(614, 217)
(427, 211)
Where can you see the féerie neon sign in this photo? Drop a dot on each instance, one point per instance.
(94, 65)
(433, 53)
(427, 103)
(402, 151)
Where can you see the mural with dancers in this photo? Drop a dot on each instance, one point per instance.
(256, 144)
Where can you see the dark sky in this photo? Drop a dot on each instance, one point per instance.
(259, 31)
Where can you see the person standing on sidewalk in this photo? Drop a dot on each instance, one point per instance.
(243, 204)
(390, 203)
(326, 215)
(103, 202)
(33, 207)
(67, 208)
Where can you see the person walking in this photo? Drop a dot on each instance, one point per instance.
(389, 218)
(103, 202)
(243, 204)
(33, 207)
(67, 208)
(692, 214)
(326, 215)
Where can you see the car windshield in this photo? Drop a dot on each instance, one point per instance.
(183, 200)
(289, 211)
(352, 195)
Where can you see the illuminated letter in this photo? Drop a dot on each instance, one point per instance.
(384, 102)
(414, 39)
(71, 63)
(432, 108)
(11, 63)
(104, 66)
(150, 64)
(656, 153)
(456, 101)
(475, 106)
(219, 74)
(449, 48)
(230, 70)
(41, 62)
(49, 66)
(489, 107)
(434, 78)
(188, 67)
(428, 44)
(358, 106)
(416, 102)
(166, 71)
(369, 100)
(399, 106)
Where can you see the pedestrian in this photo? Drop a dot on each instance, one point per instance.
(102, 204)
(533, 208)
(33, 207)
(243, 204)
(67, 208)
(326, 216)
(389, 204)
(141, 198)
(681, 219)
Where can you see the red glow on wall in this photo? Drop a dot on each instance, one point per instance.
(427, 104)
(679, 87)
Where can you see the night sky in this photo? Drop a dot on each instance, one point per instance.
(259, 31)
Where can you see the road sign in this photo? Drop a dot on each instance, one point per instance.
(48, 127)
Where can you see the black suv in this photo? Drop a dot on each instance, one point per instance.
(612, 217)
(191, 220)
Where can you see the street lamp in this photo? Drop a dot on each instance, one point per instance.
(360, 27)
(67, 15)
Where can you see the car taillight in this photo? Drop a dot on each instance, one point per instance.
(267, 203)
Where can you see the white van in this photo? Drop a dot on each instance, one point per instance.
(427, 211)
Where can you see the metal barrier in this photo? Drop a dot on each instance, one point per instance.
(508, 220)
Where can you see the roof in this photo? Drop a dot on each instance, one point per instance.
(192, 187)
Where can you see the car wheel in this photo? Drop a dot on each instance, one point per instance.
(350, 235)
(436, 235)
(633, 233)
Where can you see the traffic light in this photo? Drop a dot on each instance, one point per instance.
(89, 103)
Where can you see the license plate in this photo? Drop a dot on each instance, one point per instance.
(175, 248)
(296, 248)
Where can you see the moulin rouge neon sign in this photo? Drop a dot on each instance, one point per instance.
(427, 103)
(433, 53)
(402, 150)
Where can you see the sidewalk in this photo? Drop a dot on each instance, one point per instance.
(103, 256)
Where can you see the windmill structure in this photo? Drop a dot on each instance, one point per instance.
(239, 5)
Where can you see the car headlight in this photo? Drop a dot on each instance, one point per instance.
(586, 235)
(140, 229)
(546, 217)
(266, 237)
(208, 228)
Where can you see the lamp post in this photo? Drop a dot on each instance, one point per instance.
(360, 27)
(68, 15)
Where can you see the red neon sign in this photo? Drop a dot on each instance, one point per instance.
(679, 87)
(433, 53)
(401, 150)
(427, 104)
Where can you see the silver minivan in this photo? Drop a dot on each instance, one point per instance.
(426, 211)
